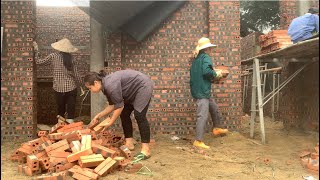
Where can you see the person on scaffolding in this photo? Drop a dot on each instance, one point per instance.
(305, 26)
(201, 76)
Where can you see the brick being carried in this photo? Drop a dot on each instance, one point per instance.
(71, 127)
(105, 166)
(92, 125)
(101, 125)
(92, 160)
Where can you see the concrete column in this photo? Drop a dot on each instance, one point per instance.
(303, 7)
(98, 101)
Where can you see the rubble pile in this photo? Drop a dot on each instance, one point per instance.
(83, 152)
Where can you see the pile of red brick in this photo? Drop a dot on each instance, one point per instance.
(71, 149)
(310, 160)
(274, 40)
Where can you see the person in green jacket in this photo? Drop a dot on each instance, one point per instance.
(201, 76)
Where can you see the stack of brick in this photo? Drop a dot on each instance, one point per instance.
(274, 40)
(75, 150)
(310, 160)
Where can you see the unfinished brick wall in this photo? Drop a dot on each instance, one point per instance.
(56, 23)
(299, 101)
(18, 90)
(288, 11)
(165, 57)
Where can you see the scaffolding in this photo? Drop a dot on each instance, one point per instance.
(303, 52)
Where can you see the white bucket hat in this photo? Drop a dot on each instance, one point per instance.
(202, 44)
(64, 45)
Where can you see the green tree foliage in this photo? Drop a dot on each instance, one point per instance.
(257, 16)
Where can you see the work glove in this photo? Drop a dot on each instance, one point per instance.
(219, 73)
(35, 46)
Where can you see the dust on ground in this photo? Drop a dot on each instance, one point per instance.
(235, 156)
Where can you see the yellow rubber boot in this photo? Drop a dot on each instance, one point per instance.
(219, 131)
(200, 144)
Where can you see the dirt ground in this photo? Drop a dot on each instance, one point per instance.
(234, 156)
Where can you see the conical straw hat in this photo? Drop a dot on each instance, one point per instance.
(64, 45)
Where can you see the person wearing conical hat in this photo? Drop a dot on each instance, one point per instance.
(201, 76)
(66, 78)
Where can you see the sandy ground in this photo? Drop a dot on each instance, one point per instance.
(234, 156)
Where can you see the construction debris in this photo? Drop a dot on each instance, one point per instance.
(75, 150)
(310, 160)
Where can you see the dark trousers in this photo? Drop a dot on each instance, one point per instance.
(66, 101)
(141, 119)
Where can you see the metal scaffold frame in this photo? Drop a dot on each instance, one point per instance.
(303, 52)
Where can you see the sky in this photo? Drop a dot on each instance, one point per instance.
(62, 3)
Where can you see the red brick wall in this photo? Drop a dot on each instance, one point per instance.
(288, 11)
(56, 23)
(299, 101)
(18, 90)
(165, 54)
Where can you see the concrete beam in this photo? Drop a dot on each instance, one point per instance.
(98, 101)
(303, 7)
